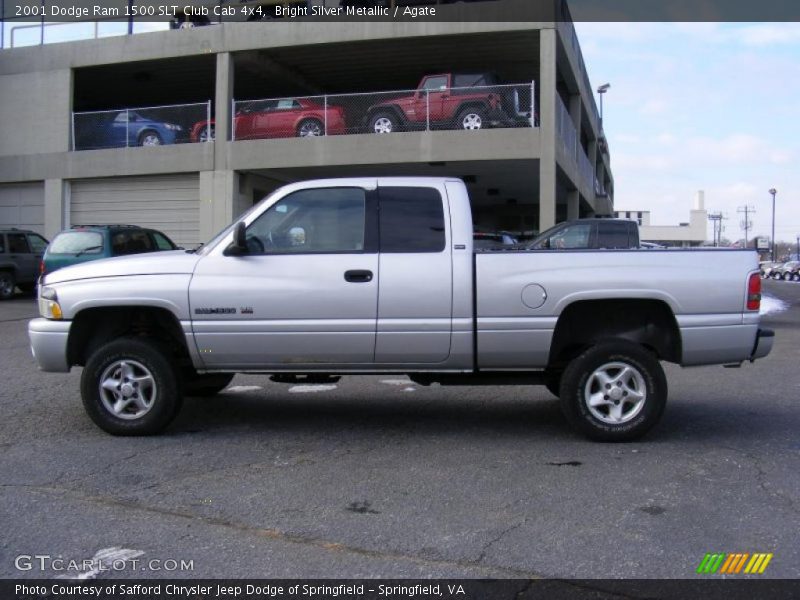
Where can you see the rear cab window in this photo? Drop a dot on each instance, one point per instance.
(411, 220)
(77, 242)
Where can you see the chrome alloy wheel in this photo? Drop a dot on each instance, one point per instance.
(310, 129)
(472, 121)
(383, 125)
(127, 389)
(207, 134)
(151, 139)
(615, 393)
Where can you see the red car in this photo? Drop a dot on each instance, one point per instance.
(287, 117)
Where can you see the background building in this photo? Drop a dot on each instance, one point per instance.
(523, 178)
(693, 233)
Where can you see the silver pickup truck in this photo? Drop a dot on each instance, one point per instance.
(378, 275)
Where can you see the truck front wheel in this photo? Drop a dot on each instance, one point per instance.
(614, 392)
(130, 387)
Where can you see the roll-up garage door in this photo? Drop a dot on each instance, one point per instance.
(169, 203)
(22, 206)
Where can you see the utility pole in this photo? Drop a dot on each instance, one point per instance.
(746, 223)
(772, 192)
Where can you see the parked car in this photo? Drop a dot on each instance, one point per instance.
(767, 266)
(287, 117)
(485, 240)
(453, 101)
(126, 128)
(84, 243)
(584, 234)
(378, 275)
(20, 253)
(787, 271)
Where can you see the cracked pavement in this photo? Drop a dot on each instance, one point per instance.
(372, 480)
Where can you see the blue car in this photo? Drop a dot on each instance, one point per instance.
(125, 128)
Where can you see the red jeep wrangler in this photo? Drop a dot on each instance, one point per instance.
(454, 101)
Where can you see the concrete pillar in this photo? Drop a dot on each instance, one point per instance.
(222, 109)
(547, 128)
(573, 205)
(218, 200)
(55, 207)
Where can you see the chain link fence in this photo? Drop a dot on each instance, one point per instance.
(468, 108)
(145, 126)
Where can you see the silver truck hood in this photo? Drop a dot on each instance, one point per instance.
(152, 263)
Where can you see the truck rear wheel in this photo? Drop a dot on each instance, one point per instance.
(615, 391)
(130, 387)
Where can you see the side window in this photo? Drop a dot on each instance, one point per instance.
(325, 220)
(613, 235)
(162, 243)
(571, 237)
(411, 220)
(130, 242)
(37, 242)
(435, 83)
(17, 244)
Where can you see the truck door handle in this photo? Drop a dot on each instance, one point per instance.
(358, 276)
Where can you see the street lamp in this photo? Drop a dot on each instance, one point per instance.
(602, 90)
(773, 191)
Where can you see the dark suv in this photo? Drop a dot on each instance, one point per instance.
(84, 243)
(20, 253)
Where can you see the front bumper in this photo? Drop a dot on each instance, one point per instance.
(49, 344)
(764, 340)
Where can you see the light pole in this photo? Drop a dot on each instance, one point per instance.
(773, 191)
(798, 248)
(601, 91)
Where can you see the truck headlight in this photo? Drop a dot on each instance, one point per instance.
(48, 304)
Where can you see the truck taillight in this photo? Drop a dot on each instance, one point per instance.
(754, 292)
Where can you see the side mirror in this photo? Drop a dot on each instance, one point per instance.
(239, 245)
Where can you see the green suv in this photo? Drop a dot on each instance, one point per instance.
(20, 253)
(84, 243)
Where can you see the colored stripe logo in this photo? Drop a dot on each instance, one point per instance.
(734, 563)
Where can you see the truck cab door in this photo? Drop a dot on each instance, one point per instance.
(305, 295)
(415, 301)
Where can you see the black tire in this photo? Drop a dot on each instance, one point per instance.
(7, 283)
(472, 119)
(384, 121)
(310, 128)
(164, 394)
(580, 378)
(150, 138)
(552, 381)
(209, 384)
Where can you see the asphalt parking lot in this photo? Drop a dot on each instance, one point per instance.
(383, 478)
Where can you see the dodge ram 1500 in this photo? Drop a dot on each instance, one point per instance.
(378, 275)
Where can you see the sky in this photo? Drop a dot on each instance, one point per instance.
(701, 106)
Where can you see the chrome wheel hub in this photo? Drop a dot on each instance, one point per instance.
(383, 125)
(472, 121)
(615, 393)
(127, 389)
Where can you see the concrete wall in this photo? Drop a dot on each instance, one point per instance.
(35, 112)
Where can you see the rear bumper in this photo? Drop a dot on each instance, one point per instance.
(49, 344)
(764, 340)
